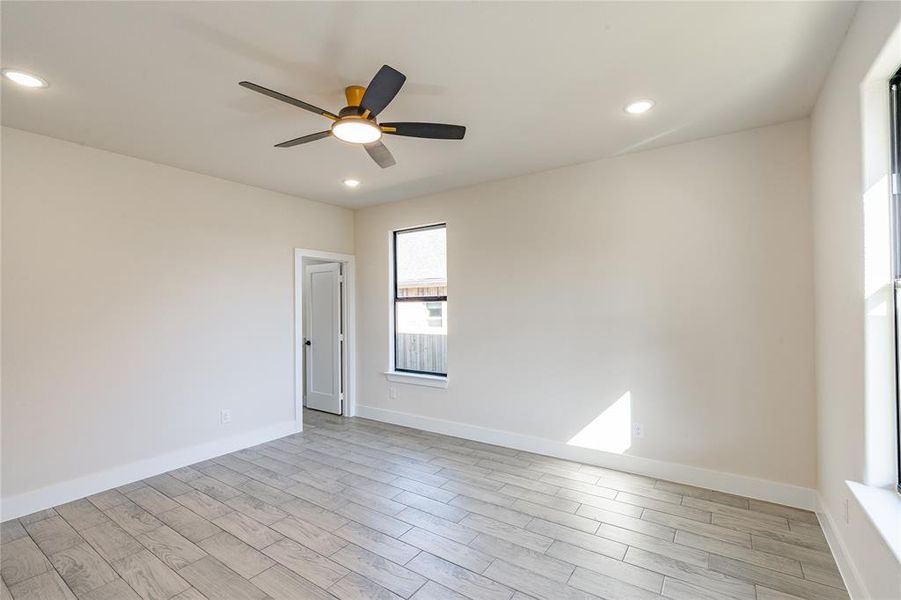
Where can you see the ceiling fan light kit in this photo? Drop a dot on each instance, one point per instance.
(356, 131)
(356, 123)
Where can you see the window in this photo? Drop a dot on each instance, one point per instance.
(895, 116)
(436, 313)
(420, 300)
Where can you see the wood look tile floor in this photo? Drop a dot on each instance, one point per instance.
(357, 509)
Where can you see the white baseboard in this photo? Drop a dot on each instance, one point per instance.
(851, 576)
(761, 489)
(73, 489)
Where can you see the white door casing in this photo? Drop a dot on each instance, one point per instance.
(322, 337)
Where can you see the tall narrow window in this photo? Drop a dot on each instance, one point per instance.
(420, 300)
(895, 110)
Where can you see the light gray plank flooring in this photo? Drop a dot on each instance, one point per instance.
(356, 509)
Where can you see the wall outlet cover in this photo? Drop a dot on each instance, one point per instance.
(225, 416)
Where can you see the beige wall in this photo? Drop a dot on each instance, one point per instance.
(139, 300)
(844, 334)
(681, 275)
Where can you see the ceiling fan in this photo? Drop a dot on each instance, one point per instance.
(356, 123)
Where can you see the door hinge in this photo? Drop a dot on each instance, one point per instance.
(341, 396)
(340, 278)
(340, 337)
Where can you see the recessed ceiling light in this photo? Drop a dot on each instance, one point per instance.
(639, 106)
(24, 79)
(351, 183)
(356, 130)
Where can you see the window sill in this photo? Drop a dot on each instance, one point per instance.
(433, 381)
(883, 507)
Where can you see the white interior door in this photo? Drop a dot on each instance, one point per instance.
(322, 337)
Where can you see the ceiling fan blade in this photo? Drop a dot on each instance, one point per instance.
(288, 99)
(434, 131)
(305, 139)
(380, 154)
(382, 89)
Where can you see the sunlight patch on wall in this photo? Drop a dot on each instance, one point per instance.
(611, 431)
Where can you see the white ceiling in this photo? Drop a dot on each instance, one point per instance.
(538, 85)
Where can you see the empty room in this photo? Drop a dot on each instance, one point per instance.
(450, 300)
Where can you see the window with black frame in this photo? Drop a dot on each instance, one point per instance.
(420, 300)
(895, 110)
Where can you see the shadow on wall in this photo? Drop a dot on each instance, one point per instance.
(610, 431)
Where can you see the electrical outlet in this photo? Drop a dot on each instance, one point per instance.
(845, 515)
(225, 416)
(637, 431)
(392, 392)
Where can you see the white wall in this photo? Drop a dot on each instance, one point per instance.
(138, 300)
(849, 349)
(682, 276)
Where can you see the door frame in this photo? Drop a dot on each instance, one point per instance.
(349, 406)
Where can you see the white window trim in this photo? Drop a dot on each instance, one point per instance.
(877, 495)
(882, 506)
(432, 381)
